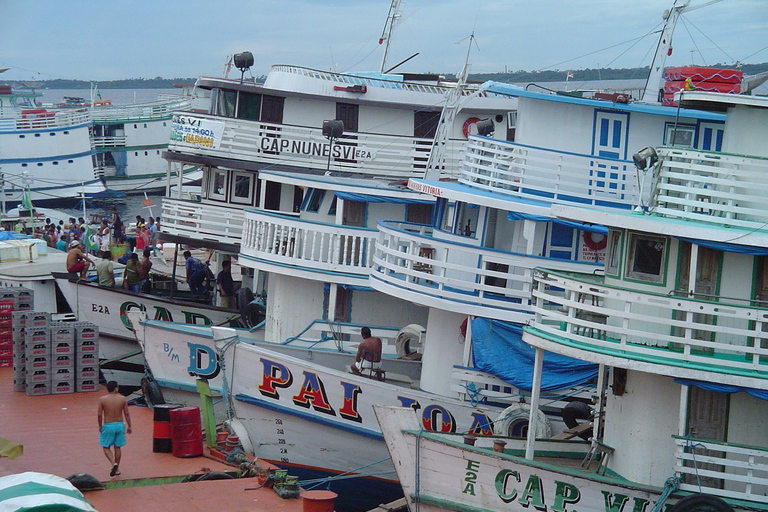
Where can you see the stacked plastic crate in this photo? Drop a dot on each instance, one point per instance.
(6, 333)
(37, 349)
(18, 326)
(62, 357)
(86, 356)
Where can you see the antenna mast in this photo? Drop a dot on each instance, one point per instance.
(393, 18)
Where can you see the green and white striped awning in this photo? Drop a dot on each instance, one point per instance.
(40, 492)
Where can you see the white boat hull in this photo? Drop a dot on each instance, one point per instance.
(107, 307)
(446, 475)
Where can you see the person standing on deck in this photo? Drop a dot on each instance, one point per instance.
(145, 265)
(195, 273)
(105, 269)
(226, 285)
(112, 408)
(152, 230)
(131, 277)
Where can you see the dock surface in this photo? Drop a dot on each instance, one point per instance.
(60, 435)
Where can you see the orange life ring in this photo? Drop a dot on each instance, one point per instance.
(595, 245)
(469, 122)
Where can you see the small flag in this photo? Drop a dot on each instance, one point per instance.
(569, 75)
(89, 241)
(26, 200)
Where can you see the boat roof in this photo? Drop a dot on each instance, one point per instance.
(454, 191)
(645, 108)
(369, 186)
(665, 226)
(718, 101)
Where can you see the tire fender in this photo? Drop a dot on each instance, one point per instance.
(151, 391)
(513, 422)
(701, 503)
(411, 332)
(574, 411)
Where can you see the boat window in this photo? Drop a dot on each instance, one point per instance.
(613, 253)
(348, 114)
(314, 200)
(419, 213)
(250, 106)
(223, 103)
(242, 187)
(681, 136)
(447, 217)
(332, 209)
(646, 258)
(218, 188)
(425, 124)
(272, 109)
(466, 219)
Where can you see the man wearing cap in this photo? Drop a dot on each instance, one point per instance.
(77, 260)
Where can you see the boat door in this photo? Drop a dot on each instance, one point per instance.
(609, 140)
(710, 136)
(707, 420)
(707, 278)
(354, 215)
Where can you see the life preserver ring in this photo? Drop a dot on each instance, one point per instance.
(513, 422)
(469, 122)
(151, 391)
(701, 503)
(404, 338)
(574, 411)
(595, 245)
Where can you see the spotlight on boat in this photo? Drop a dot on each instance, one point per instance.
(645, 158)
(333, 129)
(485, 127)
(243, 61)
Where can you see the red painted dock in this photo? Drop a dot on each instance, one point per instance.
(60, 436)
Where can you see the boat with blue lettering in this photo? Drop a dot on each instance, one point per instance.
(676, 323)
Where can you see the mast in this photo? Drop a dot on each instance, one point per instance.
(393, 18)
(447, 116)
(664, 48)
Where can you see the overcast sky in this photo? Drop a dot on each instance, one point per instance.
(115, 39)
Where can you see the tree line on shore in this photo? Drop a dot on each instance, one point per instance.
(505, 76)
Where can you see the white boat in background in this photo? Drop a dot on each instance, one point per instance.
(128, 141)
(677, 325)
(47, 151)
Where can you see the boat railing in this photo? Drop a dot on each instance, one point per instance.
(717, 188)
(444, 270)
(346, 335)
(286, 240)
(714, 335)
(161, 109)
(115, 141)
(722, 469)
(353, 79)
(202, 221)
(369, 154)
(44, 119)
(559, 176)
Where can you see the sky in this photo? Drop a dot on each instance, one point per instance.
(104, 40)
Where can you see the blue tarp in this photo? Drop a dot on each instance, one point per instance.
(366, 198)
(498, 349)
(723, 388)
(726, 247)
(12, 235)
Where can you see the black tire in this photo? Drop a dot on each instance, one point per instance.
(255, 313)
(151, 390)
(701, 503)
(575, 411)
(244, 296)
(85, 482)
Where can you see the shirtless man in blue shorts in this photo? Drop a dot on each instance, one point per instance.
(112, 430)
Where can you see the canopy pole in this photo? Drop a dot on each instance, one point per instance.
(538, 364)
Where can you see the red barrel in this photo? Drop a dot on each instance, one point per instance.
(161, 432)
(187, 432)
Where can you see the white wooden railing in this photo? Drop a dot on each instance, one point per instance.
(724, 469)
(519, 170)
(315, 246)
(161, 109)
(109, 142)
(454, 276)
(712, 187)
(202, 221)
(664, 328)
(298, 146)
(44, 120)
